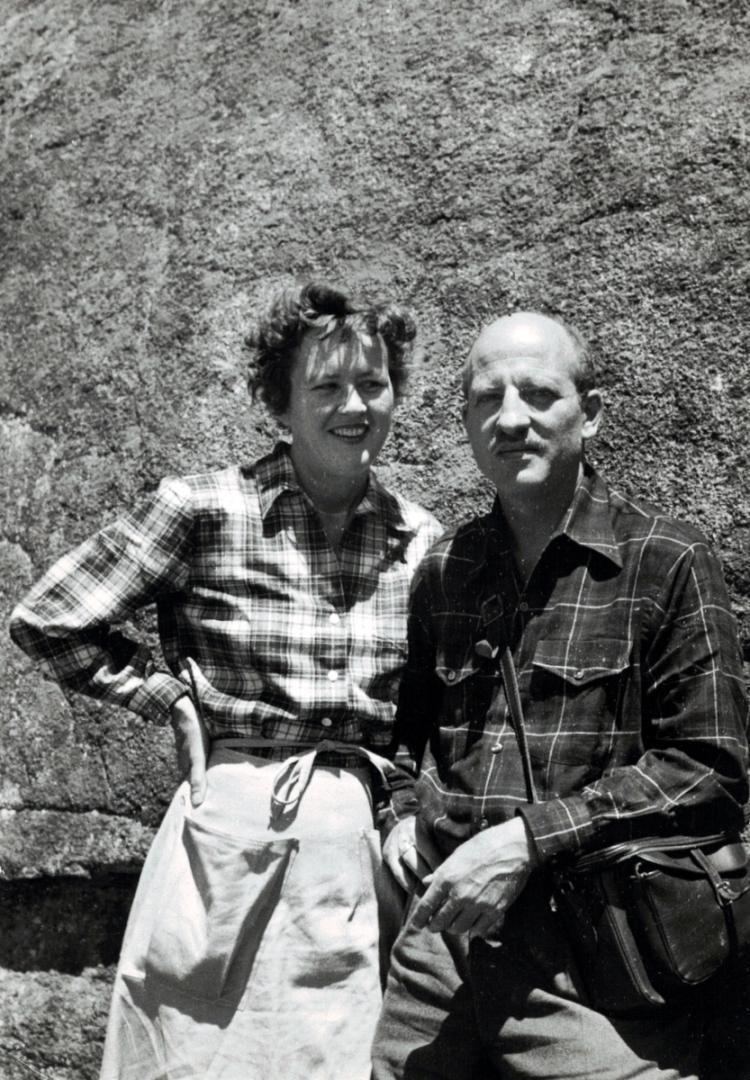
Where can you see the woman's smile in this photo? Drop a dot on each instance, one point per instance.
(351, 432)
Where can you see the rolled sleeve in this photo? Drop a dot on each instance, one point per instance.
(156, 695)
(68, 621)
(559, 826)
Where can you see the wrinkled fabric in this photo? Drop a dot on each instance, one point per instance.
(250, 598)
(252, 951)
(629, 673)
(469, 1009)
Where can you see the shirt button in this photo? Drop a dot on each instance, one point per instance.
(579, 674)
(332, 676)
(483, 823)
(334, 618)
(523, 606)
(326, 722)
(450, 676)
(496, 748)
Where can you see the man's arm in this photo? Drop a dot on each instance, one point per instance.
(692, 777)
(475, 886)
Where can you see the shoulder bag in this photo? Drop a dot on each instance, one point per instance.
(649, 920)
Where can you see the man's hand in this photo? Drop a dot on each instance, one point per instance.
(409, 853)
(192, 746)
(476, 885)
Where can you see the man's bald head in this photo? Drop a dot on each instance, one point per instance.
(530, 331)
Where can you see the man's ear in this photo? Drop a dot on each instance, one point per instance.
(593, 408)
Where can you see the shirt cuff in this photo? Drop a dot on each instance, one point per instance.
(156, 696)
(559, 827)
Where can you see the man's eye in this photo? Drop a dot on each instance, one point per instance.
(330, 385)
(539, 396)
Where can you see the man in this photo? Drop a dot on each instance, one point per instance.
(630, 679)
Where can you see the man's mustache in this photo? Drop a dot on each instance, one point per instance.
(503, 446)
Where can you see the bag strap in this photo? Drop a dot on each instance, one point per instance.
(659, 849)
(506, 670)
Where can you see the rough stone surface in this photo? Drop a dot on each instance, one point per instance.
(51, 1025)
(51, 843)
(164, 164)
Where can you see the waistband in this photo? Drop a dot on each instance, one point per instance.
(293, 778)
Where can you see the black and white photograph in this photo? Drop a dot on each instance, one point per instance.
(375, 540)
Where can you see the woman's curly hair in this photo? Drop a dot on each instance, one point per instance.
(280, 328)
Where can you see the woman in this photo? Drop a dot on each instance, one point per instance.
(281, 589)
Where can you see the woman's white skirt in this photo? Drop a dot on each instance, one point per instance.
(252, 952)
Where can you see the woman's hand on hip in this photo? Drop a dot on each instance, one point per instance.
(191, 740)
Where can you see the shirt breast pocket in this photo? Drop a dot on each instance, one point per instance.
(458, 676)
(576, 693)
(468, 693)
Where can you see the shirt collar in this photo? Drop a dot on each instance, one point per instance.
(586, 522)
(275, 476)
(378, 500)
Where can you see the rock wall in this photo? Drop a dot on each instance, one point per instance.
(166, 162)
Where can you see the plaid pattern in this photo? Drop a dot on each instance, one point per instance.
(285, 640)
(629, 673)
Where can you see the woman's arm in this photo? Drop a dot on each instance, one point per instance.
(67, 622)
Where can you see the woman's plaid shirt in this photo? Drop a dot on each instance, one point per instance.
(287, 640)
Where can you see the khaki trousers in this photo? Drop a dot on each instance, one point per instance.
(513, 1009)
(252, 950)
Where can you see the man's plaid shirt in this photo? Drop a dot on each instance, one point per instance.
(286, 641)
(629, 674)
